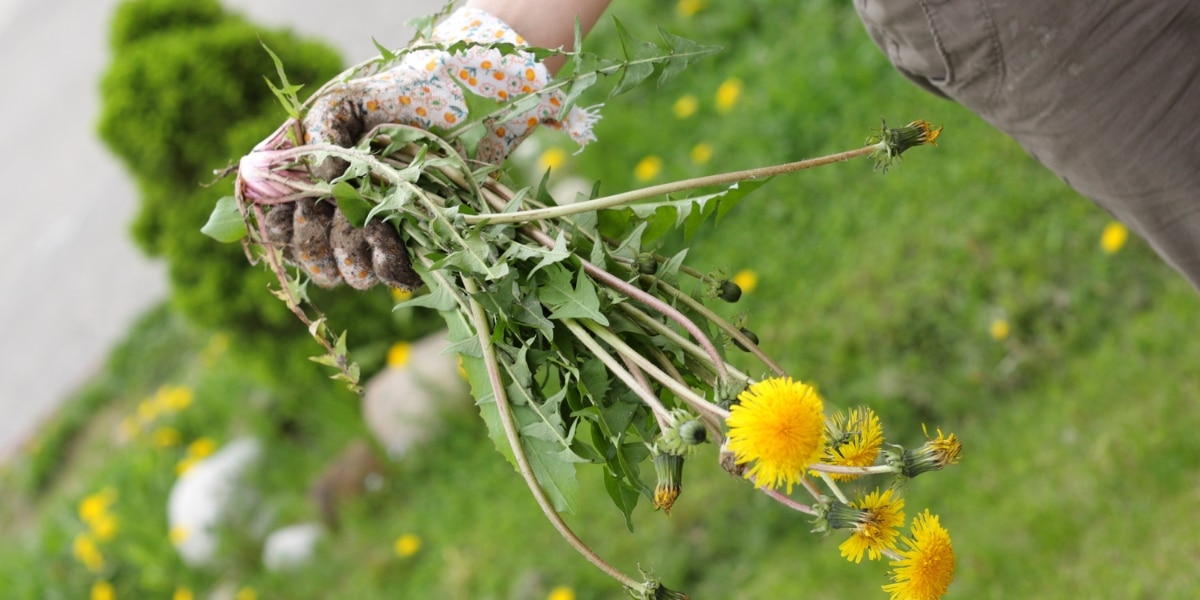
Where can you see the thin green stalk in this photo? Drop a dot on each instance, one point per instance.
(628, 378)
(554, 212)
(875, 470)
(482, 331)
(833, 487)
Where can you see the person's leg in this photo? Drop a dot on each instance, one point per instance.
(1106, 93)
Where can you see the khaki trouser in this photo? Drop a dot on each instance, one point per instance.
(1106, 93)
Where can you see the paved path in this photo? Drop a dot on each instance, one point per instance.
(70, 280)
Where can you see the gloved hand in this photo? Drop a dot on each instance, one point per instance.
(420, 91)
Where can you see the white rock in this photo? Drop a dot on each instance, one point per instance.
(207, 494)
(402, 405)
(291, 546)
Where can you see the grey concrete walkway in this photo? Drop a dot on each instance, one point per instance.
(70, 280)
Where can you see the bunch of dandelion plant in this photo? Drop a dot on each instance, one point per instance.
(584, 346)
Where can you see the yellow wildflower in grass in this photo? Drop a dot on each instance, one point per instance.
(399, 295)
(103, 590)
(553, 158)
(685, 106)
(648, 168)
(746, 279)
(165, 437)
(185, 465)
(94, 506)
(927, 566)
(689, 8)
(178, 534)
(176, 397)
(779, 425)
(104, 527)
(561, 592)
(147, 410)
(201, 448)
(876, 528)
(854, 440)
(701, 153)
(85, 550)
(182, 594)
(727, 94)
(999, 329)
(246, 593)
(407, 545)
(1113, 238)
(933, 455)
(399, 354)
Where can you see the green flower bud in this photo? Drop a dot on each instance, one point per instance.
(668, 469)
(730, 291)
(749, 334)
(646, 264)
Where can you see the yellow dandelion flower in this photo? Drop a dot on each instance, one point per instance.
(85, 550)
(246, 593)
(103, 590)
(701, 153)
(129, 428)
(1113, 238)
(689, 8)
(95, 506)
(178, 534)
(727, 94)
(998, 329)
(201, 448)
(746, 279)
(927, 566)
(147, 410)
(104, 527)
(685, 106)
(182, 594)
(553, 158)
(779, 425)
(185, 465)
(875, 530)
(407, 545)
(399, 354)
(648, 168)
(399, 295)
(165, 437)
(854, 440)
(561, 592)
(177, 397)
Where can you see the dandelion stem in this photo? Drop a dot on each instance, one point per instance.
(787, 501)
(841, 470)
(553, 212)
(640, 386)
(833, 487)
(482, 331)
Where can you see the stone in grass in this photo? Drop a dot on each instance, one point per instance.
(292, 546)
(403, 404)
(208, 495)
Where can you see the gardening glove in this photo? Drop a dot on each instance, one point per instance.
(421, 91)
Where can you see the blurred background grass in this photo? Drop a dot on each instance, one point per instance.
(964, 289)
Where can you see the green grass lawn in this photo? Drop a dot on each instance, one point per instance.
(1080, 474)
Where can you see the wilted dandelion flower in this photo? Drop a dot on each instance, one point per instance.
(561, 592)
(103, 590)
(727, 94)
(933, 455)
(854, 439)
(746, 279)
(399, 354)
(779, 425)
(552, 158)
(685, 106)
(875, 521)
(927, 566)
(648, 168)
(688, 8)
(1113, 238)
(407, 545)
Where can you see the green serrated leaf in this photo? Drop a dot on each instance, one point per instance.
(683, 52)
(225, 223)
(567, 301)
(624, 497)
(638, 55)
(351, 203)
(555, 475)
(287, 93)
(384, 53)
